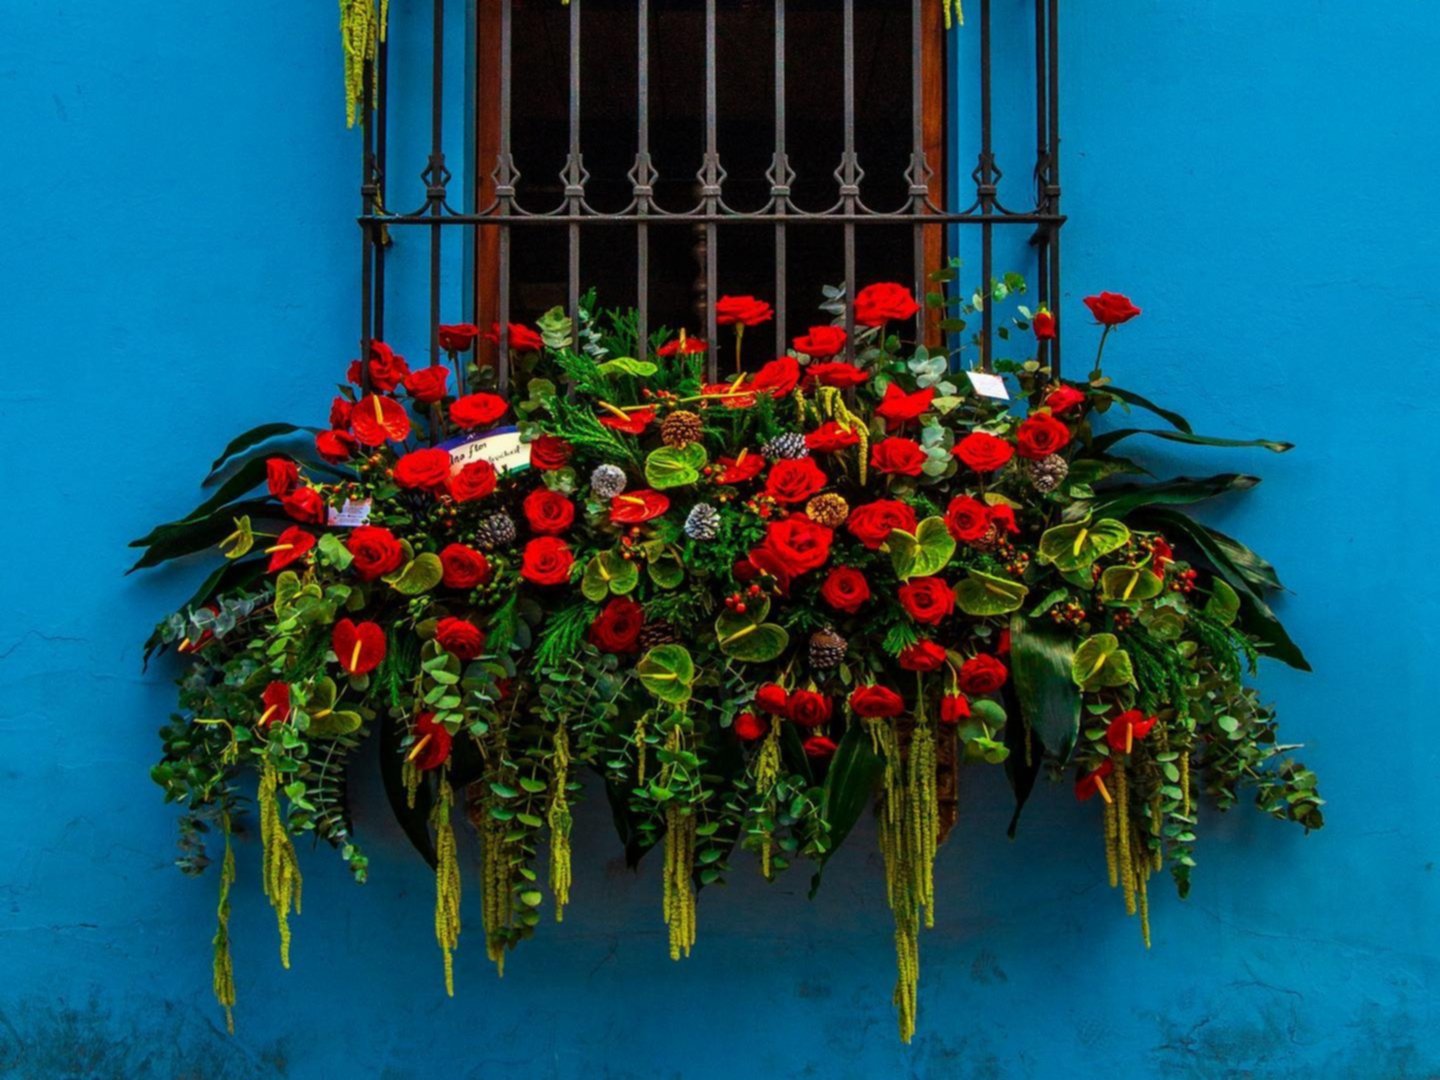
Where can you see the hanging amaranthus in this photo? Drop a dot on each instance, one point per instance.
(447, 883)
(281, 868)
(767, 773)
(954, 13)
(224, 969)
(497, 897)
(679, 894)
(558, 818)
(362, 29)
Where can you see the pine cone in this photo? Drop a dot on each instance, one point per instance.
(827, 648)
(1048, 473)
(681, 428)
(703, 522)
(607, 481)
(495, 531)
(828, 509)
(790, 444)
(659, 632)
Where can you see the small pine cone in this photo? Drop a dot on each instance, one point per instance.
(495, 531)
(681, 428)
(990, 541)
(703, 522)
(827, 648)
(790, 444)
(828, 509)
(1048, 473)
(607, 481)
(659, 632)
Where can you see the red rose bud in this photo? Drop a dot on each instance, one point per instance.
(1064, 398)
(550, 452)
(460, 638)
(387, 369)
(875, 702)
(821, 343)
(377, 418)
(845, 589)
(282, 476)
(1040, 436)
(873, 523)
(375, 551)
(794, 480)
(423, 470)
(745, 310)
(830, 437)
(548, 511)
(472, 481)
(428, 385)
(808, 709)
(1044, 326)
(1111, 309)
(795, 545)
(983, 674)
(335, 446)
(897, 457)
(983, 452)
(547, 560)
(290, 546)
(967, 519)
(477, 410)
(875, 305)
(275, 704)
(341, 410)
(305, 504)
(820, 748)
(464, 567)
(954, 708)
(458, 337)
(432, 743)
(1122, 732)
(1091, 784)
(927, 600)
(778, 377)
(773, 699)
(922, 656)
(750, 727)
(522, 338)
(617, 628)
(359, 647)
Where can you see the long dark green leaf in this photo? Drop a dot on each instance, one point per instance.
(1132, 398)
(1022, 767)
(254, 437)
(415, 823)
(1121, 499)
(1103, 442)
(1256, 570)
(251, 475)
(849, 788)
(181, 538)
(1048, 697)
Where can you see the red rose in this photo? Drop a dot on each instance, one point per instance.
(428, 385)
(798, 544)
(426, 470)
(1111, 309)
(872, 523)
(550, 452)
(617, 628)
(819, 747)
(983, 674)
(778, 377)
(458, 337)
(745, 310)
(1003, 518)
(548, 511)
(837, 373)
(738, 470)
(899, 408)
(684, 345)
(547, 561)
(1040, 436)
(830, 437)
(983, 452)
(954, 708)
(522, 338)
(276, 699)
(1044, 326)
(927, 599)
(845, 589)
(922, 656)
(633, 422)
(875, 305)
(377, 418)
(638, 507)
(809, 709)
(386, 368)
(340, 412)
(750, 727)
(281, 476)
(821, 343)
(897, 457)
(358, 646)
(307, 505)
(335, 446)
(1063, 399)
(376, 551)
(1122, 732)
(290, 546)
(432, 743)
(474, 480)
(874, 702)
(967, 519)
(477, 410)
(773, 699)
(793, 480)
(460, 638)
(464, 567)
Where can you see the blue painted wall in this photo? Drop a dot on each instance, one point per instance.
(178, 262)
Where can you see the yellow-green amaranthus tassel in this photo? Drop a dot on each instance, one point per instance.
(958, 18)
(559, 820)
(447, 883)
(767, 772)
(362, 29)
(281, 877)
(224, 970)
(679, 899)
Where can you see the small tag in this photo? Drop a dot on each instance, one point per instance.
(988, 385)
(501, 447)
(351, 515)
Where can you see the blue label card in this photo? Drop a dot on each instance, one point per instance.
(501, 447)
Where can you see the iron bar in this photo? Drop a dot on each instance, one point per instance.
(642, 181)
(985, 190)
(780, 181)
(436, 173)
(367, 230)
(919, 167)
(504, 195)
(711, 194)
(1052, 189)
(380, 117)
(849, 180)
(574, 179)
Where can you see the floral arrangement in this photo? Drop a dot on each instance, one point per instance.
(754, 607)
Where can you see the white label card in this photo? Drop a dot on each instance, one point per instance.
(351, 515)
(501, 447)
(987, 385)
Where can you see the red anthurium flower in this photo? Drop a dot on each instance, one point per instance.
(773, 699)
(282, 476)
(820, 747)
(432, 743)
(983, 674)
(875, 702)
(922, 656)
(875, 305)
(522, 338)
(460, 638)
(778, 377)
(358, 646)
(808, 709)
(335, 446)
(1111, 309)
(732, 395)
(477, 410)
(983, 452)
(423, 470)
(1044, 326)
(750, 727)
(637, 507)
(683, 345)
(837, 373)
(745, 310)
(897, 457)
(1122, 732)
(305, 504)
(830, 437)
(1161, 556)
(899, 408)
(1093, 783)
(954, 708)
(377, 418)
(1040, 436)
(633, 422)
(458, 337)
(793, 480)
(845, 589)
(821, 343)
(290, 546)
(276, 701)
(738, 470)
(1064, 398)
(550, 452)
(428, 385)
